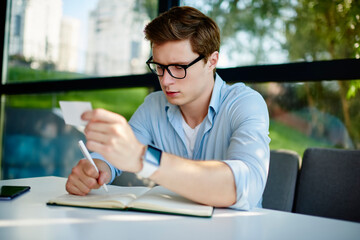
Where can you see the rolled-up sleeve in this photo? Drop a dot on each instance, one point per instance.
(114, 171)
(248, 153)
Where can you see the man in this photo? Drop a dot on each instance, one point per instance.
(195, 117)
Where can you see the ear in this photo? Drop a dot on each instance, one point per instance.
(213, 60)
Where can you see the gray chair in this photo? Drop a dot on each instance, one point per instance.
(329, 184)
(128, 179)
(280, 187)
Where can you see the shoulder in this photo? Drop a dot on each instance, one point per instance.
(152, 106)
(147, 116)
(242, 102)
(239, 93)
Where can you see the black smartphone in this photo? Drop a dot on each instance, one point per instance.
(10, 192)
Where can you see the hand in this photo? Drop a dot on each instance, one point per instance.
(110, 135)
(84, 177)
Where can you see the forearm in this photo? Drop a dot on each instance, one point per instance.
(207, 182)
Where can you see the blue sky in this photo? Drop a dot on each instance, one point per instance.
(80, 9)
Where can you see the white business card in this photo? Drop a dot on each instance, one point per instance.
(72, 111)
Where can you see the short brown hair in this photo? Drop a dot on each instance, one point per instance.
(181, 23)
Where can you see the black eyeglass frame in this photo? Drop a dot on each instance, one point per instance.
(185, 67)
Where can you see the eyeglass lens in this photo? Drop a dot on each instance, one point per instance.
(175, 71)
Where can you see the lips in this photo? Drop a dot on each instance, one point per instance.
(172, 93)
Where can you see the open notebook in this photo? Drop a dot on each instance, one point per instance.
(157, 199)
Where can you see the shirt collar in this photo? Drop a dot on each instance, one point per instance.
(216, 94)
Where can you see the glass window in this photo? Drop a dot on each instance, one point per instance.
(311, 114)
(65, 39)
(273, 31)
(257, 32)
(81, 39)
(36, 140)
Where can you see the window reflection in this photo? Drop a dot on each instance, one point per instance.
(257, 32)
(66, 39)
(37, 142)
(271, 32)
(63, 39)
(310, 114)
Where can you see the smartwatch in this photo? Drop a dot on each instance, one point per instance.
(151, 161)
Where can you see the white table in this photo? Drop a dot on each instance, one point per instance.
(28, 217)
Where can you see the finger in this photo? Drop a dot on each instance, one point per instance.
(104, 178)
(75, 186)
(111, 133)
(102, 115)
(97, 137)
(84, 176)
(98, 127)
(86, 116)
(85, 184)
(96, 146)
(71, 189)
(89, 172)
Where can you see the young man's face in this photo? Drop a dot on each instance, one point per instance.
(199, 79)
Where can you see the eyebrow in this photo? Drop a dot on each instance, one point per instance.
(174, 63)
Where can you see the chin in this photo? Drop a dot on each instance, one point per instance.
(175, 101)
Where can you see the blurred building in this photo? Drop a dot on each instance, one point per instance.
(35, 30)
(41, 36)
(116, 44)
(69, 45)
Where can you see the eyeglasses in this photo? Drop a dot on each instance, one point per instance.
(177, 71)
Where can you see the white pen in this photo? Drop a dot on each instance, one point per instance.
(88, 157)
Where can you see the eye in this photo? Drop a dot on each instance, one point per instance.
(178, 67)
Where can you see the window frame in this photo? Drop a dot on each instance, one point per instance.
(339, 70)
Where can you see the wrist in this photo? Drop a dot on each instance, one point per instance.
(150, 161)
(141, 158)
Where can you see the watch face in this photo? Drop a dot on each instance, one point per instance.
(153, 155)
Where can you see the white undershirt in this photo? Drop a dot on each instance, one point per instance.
(190, 137)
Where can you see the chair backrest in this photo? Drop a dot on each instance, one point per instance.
(129, 179)
(329, 184)
(280, 187)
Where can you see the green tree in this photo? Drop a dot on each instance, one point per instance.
(311, 29)
(256, 18)
(322, 30)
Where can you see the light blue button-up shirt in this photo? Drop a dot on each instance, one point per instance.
(235, 131)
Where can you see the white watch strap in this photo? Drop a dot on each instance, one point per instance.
(151, 161)
(147, 170)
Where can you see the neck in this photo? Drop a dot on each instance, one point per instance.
(195, 112)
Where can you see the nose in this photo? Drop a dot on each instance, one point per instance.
(167, 79)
